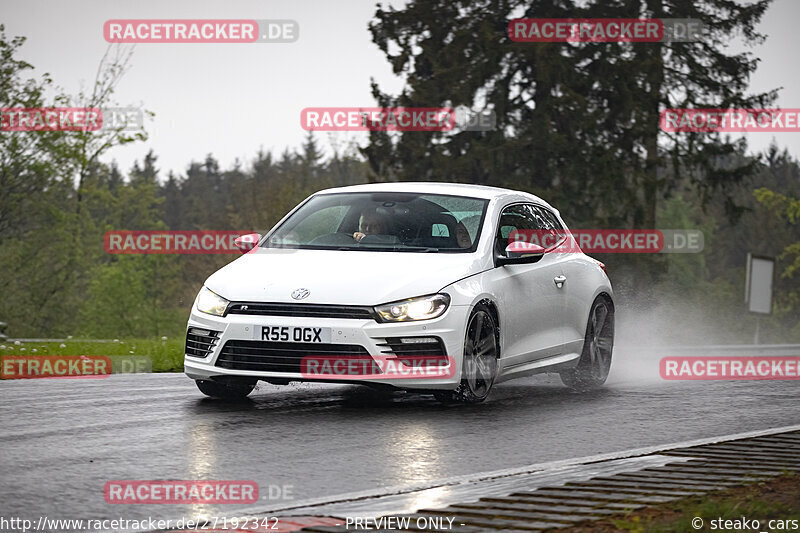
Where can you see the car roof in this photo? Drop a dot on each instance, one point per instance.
(427, 187)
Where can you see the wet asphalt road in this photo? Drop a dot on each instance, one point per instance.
(62, 439)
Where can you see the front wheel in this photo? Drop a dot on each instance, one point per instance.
(232, 392)
(595, 361)
(480, 359)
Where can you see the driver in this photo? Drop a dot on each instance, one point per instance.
(462, 236)
(370, 223)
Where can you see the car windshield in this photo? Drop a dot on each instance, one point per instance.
(398, 222)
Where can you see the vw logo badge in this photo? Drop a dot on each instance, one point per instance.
(299, 294)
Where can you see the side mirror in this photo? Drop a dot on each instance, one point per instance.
(246, 243)
(520, 253)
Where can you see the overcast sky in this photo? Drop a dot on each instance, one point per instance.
(232, 99)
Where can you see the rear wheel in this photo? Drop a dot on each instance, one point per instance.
(225, 391)
(595, 361)
(480, 359)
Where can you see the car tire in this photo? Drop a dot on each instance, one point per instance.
(479, 364)
(595, 361)
(223, 391)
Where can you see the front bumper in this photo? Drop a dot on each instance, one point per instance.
(368, 333)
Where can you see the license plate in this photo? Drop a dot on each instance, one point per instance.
(310, 335)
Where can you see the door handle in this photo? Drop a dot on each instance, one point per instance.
(559, 281)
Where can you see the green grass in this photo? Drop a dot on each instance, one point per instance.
(165, 355)
(773, 499)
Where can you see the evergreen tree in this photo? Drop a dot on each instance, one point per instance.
(576, 122)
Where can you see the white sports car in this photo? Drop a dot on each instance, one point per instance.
(412, 285)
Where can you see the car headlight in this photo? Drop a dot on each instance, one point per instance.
(422, 308)
(211, 303)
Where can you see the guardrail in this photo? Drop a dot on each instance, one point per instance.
(729, 350)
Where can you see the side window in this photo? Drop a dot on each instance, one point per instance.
(521, 217)
(514, 218)
(549, 217)
(551, 225)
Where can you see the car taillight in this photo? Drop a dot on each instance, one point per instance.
(601, 265)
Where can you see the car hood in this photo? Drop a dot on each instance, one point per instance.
(340, 277)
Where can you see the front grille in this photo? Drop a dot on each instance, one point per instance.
(279, 356)
(309, 310)
(413, 346)
(200, 342)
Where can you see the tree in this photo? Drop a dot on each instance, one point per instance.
(133, 296)
(787, 209)
(88, 146)
(577, 123)
(30, 161)
(310, 158)
(48, 241)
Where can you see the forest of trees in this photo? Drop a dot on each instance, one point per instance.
(590, 145)
(54, 289)
(59, 280)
